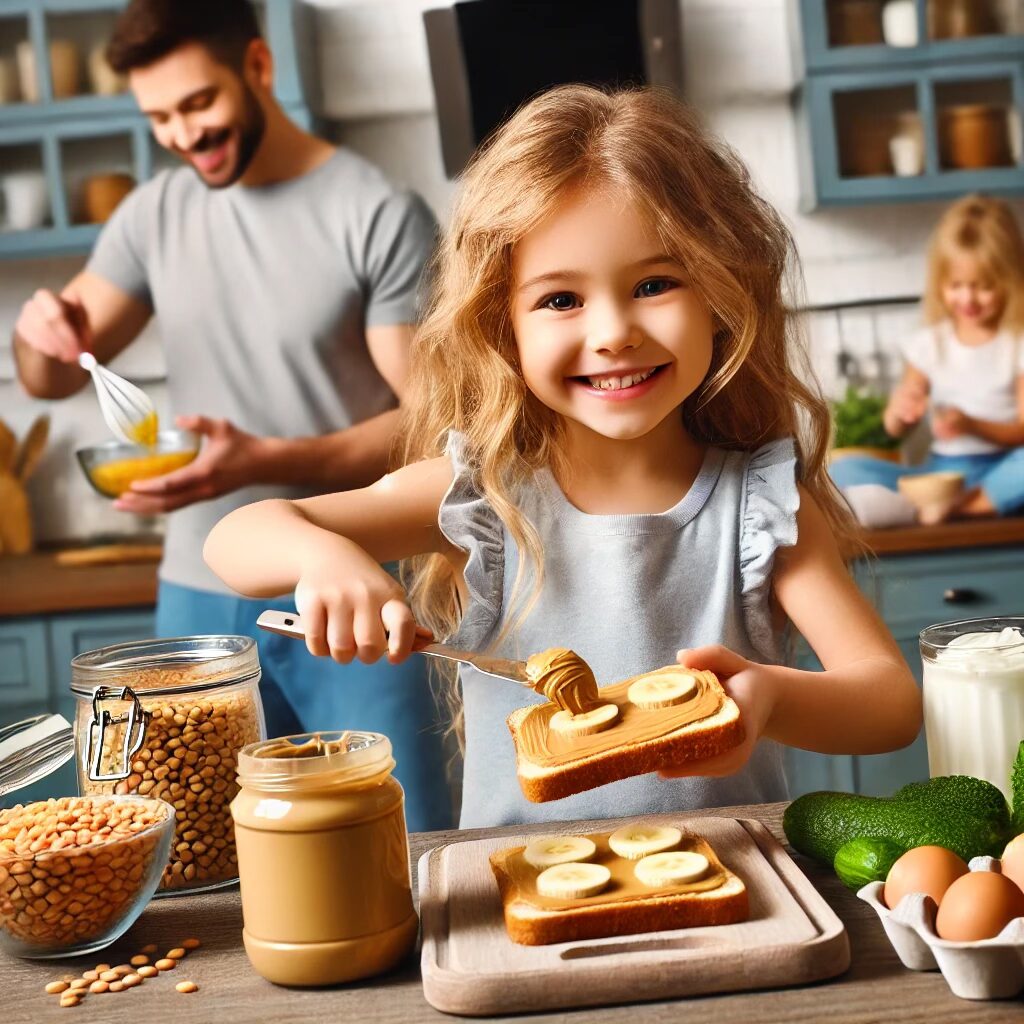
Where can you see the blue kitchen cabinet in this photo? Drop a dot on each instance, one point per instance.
(35, 673)
(44, 136)
(24, 663)
(822, 52)
(911, 593)
(849, 118)
(854, 99)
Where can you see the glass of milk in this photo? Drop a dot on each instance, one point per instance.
(974, 697)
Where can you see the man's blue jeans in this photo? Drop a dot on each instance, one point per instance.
(301, 693)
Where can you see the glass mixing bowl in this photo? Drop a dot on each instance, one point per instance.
(95, 869)
(112, 467)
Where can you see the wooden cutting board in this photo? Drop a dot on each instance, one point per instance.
(471, 967)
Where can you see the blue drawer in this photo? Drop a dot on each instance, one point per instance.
(915, 591)
(24, 663)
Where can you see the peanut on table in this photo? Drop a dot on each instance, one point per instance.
(72, 991)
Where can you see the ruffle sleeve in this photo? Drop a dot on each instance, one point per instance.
(771, 501)
(468, 521)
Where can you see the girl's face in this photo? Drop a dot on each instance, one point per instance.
(970, 295)
(610, 333)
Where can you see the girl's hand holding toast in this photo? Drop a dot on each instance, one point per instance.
(750, 686)
(352, 608)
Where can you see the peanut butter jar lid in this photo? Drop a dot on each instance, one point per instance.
(349, 755)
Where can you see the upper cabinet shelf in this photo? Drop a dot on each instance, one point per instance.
(841, 35)
(910, 99)
(72, 140)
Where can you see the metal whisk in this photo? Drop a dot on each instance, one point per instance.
(127, 410)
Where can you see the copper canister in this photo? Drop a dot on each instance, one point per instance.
(974, 135)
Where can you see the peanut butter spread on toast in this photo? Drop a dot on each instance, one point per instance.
(624, 885)
(547, 747)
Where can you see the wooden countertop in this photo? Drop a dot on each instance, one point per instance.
(875, 987)
(36, 585)
(961, 534)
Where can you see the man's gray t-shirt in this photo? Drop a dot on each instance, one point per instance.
(625, 592)
(262, 297)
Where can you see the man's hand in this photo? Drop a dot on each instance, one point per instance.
(949, 422)
(749, 685)
(54, 326)
(229, 459)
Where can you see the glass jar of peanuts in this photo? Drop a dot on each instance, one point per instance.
(166, 719)
(323, 858)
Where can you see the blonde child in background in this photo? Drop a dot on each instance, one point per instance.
(601, 454)
(967, 365)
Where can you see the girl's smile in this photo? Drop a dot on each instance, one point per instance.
(621, 385)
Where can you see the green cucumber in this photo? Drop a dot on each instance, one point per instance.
(866, 859)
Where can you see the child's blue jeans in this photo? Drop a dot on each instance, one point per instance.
(999, 474)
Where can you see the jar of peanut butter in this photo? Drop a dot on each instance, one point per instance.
(323, 858)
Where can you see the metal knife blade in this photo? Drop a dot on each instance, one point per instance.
(290, 624)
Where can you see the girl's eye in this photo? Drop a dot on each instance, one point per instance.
(657, 286)
(561, 302)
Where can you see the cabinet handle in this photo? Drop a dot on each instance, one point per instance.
(960, 595)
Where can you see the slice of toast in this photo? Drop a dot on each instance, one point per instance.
(619, 752)
(625, 908)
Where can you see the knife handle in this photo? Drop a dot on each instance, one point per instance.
(290, 624)
(285, 623)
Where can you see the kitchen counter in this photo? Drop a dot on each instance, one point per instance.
(36, 584)
(876, 987)
(959, 534)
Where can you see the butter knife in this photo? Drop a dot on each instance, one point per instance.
(290, 624)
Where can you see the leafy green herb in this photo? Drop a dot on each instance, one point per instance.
(858, 421)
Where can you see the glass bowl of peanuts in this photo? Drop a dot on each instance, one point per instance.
(76, 872)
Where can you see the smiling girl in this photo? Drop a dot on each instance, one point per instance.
(601, 454)
(967, 365)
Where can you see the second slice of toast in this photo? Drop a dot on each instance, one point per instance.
(534, 921)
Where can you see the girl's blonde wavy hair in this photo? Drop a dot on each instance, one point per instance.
(697, 196)
(986, 230)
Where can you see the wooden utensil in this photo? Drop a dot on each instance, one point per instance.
(17, 463)
(109, 554)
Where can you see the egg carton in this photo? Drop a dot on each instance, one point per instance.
(985, 969)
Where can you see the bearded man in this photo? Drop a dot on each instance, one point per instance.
(282, 272)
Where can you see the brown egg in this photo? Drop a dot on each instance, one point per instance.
(1012, 864)
(927, 869)
(978, 906)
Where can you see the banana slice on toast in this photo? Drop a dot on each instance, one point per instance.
(552, 850)
(638, 840)
(573, 881)
(676, 867)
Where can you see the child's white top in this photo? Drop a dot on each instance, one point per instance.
(979, 380)
(625, 592)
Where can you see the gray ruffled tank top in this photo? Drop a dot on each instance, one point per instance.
(625, 592)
